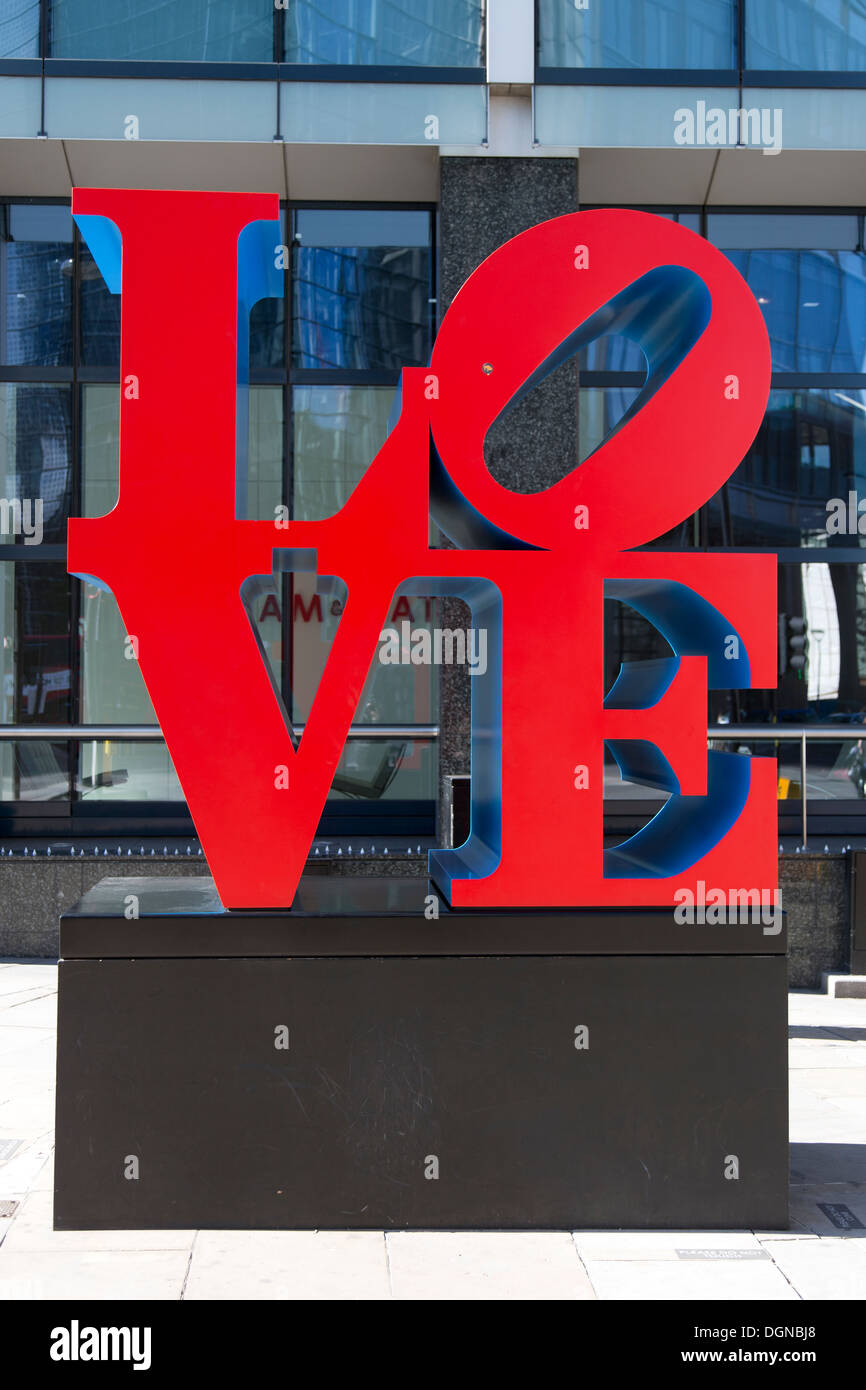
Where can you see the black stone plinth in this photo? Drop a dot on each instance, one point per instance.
(375, 916)
(300, 1082)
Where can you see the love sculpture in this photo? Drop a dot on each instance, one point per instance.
(554, 1046)
(534, 568)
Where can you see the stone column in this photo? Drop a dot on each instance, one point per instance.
(484, 201)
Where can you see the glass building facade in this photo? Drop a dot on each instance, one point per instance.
(400, 88)
(789, 494)
(432, 33)
(704, 35)
(359, 303)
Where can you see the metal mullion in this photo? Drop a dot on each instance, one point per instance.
(612, 379)
(43, 54)
(277, 54)
(4, 257)
(77, 509)
(636, 77)
(780, 381)
(16, 680)
(287, 598)
(287, 585)
(98, 376)
(841, 80)
(823, 209)
(342, 376)
(359, 205)
(433, 279)
(818, 381)
(43, 376)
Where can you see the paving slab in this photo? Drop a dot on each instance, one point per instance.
(28, 1113)
(19, 1173)
(36, 1011)
(19, 978)
(491, 1265)
(852, 1082)
(299, 1265)
(81, 1275)
(664, 1245)
(658, 1280)
(826, 1269)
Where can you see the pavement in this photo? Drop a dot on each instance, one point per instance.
(819, 1258)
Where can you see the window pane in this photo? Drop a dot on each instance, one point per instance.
(36, 272)
(34, 770)
(268, 334)
(818, 35)
(628, 636)
(386, 770)
(35, 462)
(114, 770)
(19, 29)
(374, 769)
(784, 231)
(338, 430)
(793, 488)
(599, 410)
(426, 33)
(361, 290)
(800, 484)
(825, 604)
(834, 771)
(362, 227)
(393, 694)
(113, 692)
(611, 353)
(100, 316)
(34, 661)
(112, 689)
(268, 316)
(176, 30)
(266, 451)
(814, 303)
(100, 443)
(637, 34)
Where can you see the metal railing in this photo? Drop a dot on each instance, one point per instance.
(789, 733)
(146, 733)
(718, 733)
